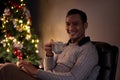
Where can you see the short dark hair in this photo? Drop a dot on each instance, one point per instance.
(80, 12)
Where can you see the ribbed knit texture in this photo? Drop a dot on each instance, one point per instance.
(74, 63)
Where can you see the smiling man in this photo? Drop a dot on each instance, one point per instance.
(78, 60)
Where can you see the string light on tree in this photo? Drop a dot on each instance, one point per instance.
(17, 42)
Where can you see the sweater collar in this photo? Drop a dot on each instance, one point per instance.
(81, 42)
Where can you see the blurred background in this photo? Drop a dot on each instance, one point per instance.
(103, 20)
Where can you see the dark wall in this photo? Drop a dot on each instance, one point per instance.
(33, 6)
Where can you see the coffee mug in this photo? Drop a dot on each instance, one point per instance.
(57, 47)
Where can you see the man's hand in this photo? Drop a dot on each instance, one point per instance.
(27, 67)
(48, 49)
(1, 65)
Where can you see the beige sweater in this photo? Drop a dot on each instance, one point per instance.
(74, 63)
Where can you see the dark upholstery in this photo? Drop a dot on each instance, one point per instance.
(108, 58)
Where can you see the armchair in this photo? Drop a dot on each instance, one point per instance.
(108, 58)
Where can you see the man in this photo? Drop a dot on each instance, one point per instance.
(78, 60)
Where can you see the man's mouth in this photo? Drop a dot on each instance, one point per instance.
(72, 32)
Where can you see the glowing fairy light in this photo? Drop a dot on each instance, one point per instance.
(14, 40)
(4, 22)
(20, 21)
(3, 26)
(33, 40)
(8, 44)
(6, 40)
(2, 19)
(37, 41)
(4, 44)
(27, 27)
(12, 7)
(22, 4)
(3, 40)
(36, 46)
(37, 51)
(21, 0)
(18, 42)
(28, 22)
(16, 10)
(28, 30)
(8, 50)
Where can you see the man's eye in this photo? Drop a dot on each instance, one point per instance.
(67, 24)
(75, 24)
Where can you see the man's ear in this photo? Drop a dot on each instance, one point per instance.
(85, 25)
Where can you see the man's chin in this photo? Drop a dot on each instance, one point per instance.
(73, 37)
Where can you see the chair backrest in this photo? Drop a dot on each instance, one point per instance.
(108, 58)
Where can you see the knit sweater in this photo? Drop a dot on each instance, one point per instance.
(76, 62)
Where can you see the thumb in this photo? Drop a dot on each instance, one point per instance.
(51, 41)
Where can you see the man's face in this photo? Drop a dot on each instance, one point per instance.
(75, 27)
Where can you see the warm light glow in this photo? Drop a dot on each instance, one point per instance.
(21, 0)
(33, 40)
(4, 45)
(6, 40)
(3, 26)
(36, 45)
(27, 27)
(2, 19)
(37, 41)
(8, 50)
(37, 51)
(8, 44)
(12, 7)
(18, 42)
(14, 40)
(4, 22)
(20, 21)
(28, 22)
(22, 4)
(28, 30)
(28, 37)
(16, 10)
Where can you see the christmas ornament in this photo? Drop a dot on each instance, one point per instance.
(15, 5)
(7, 12)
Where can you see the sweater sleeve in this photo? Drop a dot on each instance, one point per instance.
(49, 63)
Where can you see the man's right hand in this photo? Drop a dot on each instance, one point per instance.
(48, 49)
(1, 64)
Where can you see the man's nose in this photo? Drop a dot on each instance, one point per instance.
(71, 27)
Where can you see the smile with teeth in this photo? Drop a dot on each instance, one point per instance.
(72, 32)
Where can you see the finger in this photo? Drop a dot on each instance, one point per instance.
(24, 69)
(1, 65)
(48, 48)
(48, 45)
(21, 63)
(51, 41)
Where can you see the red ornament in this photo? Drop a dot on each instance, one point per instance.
(14, 4)
(7, 35)
(20, 57)
(18, 53)
(15, 51)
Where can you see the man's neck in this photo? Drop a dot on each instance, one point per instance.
(76, 40)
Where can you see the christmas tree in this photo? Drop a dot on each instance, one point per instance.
(17, 40)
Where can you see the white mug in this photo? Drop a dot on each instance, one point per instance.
(57, 47)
